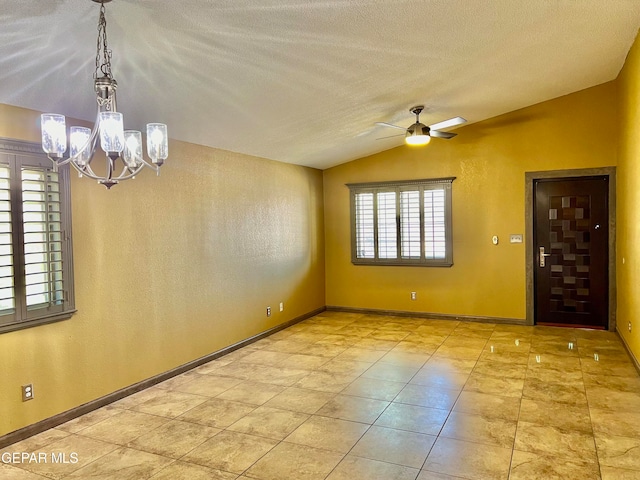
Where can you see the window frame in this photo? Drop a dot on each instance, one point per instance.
(18, 154)
(444, 184)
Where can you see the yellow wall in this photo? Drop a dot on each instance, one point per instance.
(167, 269)
(489, 159)
(629, 201)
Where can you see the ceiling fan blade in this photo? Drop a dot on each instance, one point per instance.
(391, 136)
(447, 123)
(384, 124)
(447, 135)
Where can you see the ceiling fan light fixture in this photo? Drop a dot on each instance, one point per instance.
(417, 135)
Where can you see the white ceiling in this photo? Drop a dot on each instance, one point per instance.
(304, 81)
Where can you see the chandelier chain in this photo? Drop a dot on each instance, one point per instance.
(105, 67)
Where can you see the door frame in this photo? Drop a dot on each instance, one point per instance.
(530, 178)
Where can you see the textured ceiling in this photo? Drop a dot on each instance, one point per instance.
(304, 81)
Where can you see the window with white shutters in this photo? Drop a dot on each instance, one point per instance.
(36, 269)
(402, 223)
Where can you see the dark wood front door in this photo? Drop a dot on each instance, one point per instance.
(571, 258)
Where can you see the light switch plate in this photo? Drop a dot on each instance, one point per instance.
(515, 238)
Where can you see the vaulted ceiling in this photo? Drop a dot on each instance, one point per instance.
(304, 81)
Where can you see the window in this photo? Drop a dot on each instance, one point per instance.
(36, 269)
(402, 223)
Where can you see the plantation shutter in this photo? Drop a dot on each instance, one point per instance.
(36, 263)
(402, 223)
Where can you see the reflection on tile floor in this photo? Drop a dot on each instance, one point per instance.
(361, 397)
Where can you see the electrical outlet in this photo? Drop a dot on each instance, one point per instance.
(629, 327)
(27, 392)
(414, 295)
(282, 306)
(268, 311)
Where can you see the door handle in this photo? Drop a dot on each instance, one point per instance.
(542, 256)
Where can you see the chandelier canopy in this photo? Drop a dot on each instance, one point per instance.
(117, 143)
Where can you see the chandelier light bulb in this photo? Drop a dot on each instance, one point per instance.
(157, 142)
(132, 152)
(111, 132)
(79, 144)
(54, 134)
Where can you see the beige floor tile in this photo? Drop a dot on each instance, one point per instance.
(325, 350)
(356, 409)
(282, 376)
(490, 406)
(230, 451)
(376, 344)
(500, 369)
(123, 427)
(374, 388)
(617, 369)
(189, 471)
(174, 439)
(36, 442)
(345, 367)
(546, 440)
(501, 345)
(139, 397)
(123, 464)
(613, 473)
(243, 371)
(417, 347)
(171, 404)
(390, 335)
(89, 419)
(469, 460)
(173, 382)
(269, 422)
(511, 358)
(300, 400)
(77, 451)
(558, 363)
(326, 382)
(619, 452)
(440, 378)
(392, 373)
(211, 367)
(567, 393)
(328, 434)
(304, 362)
(405, 359)
(252, 393)
(458, 365)
(265, 357)
(217, 413)
(475, 428)
(291, 461)
(612, 399)
(506, 387)
(623, 384)
(428, 396)
(615, 423)
(558, 415)
(207, 385)
(426, 475)
(11, 472)
(413, 418)
(531, 466)
(338, 339)
(287, 346)
(356, 468)
(394, 446)
(361, 355)
(459, 351)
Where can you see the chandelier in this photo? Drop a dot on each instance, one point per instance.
(117, 143)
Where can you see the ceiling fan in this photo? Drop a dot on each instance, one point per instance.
(420, 134)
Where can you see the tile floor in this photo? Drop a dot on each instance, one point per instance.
(356, 397)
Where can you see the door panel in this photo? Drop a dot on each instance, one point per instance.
(571, 251)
